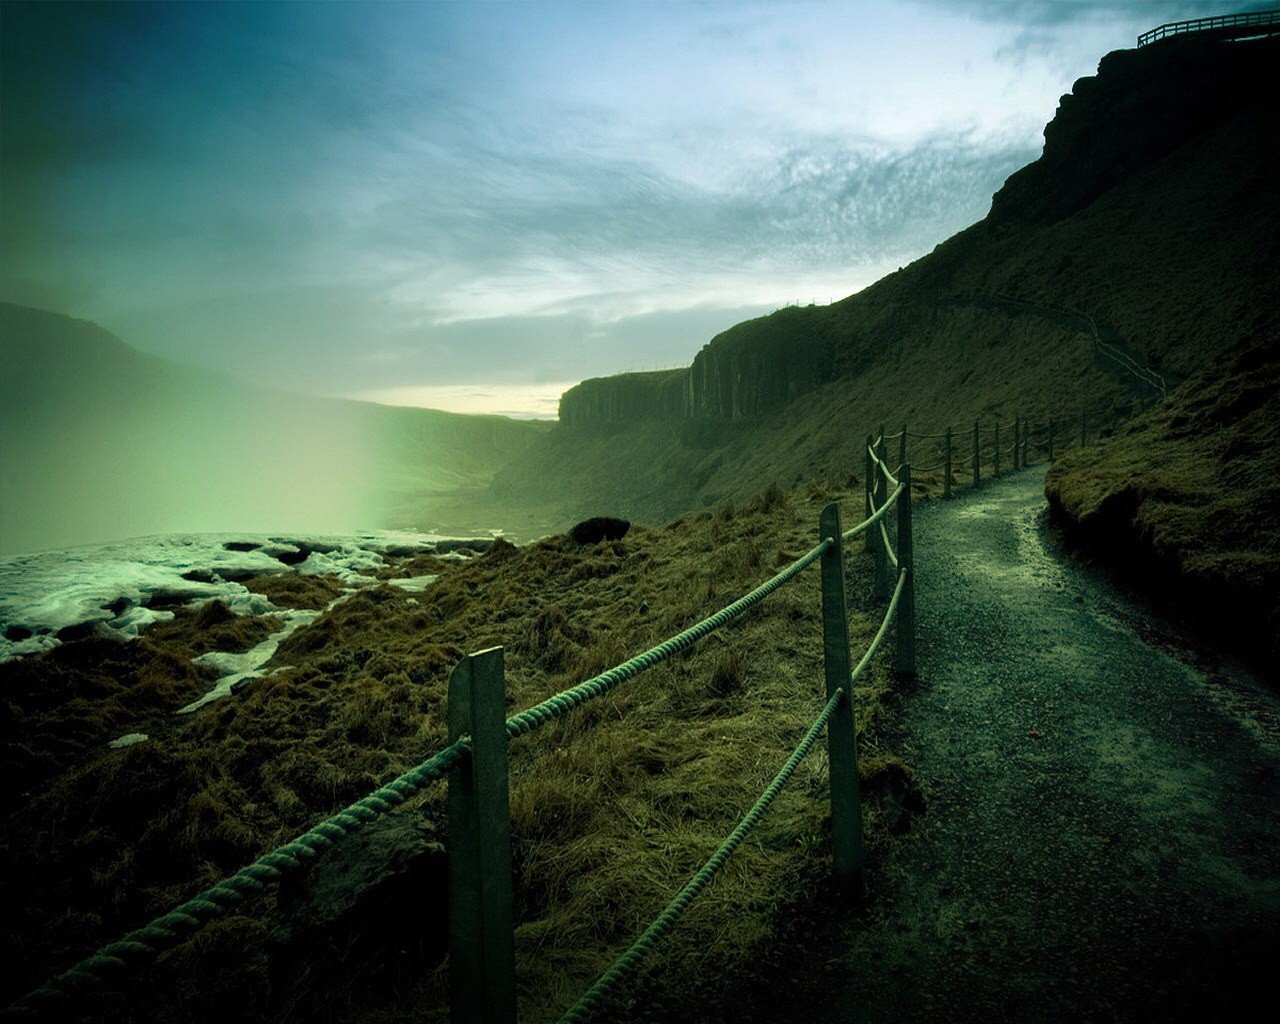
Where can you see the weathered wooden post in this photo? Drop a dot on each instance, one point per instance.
(995, 458)
(977, 454)
(946, 479)
(481, 933)
(881, 581)
(905, 627)
(1050, 439)
(847, 850)
(902, 446)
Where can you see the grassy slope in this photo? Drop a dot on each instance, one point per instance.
(1177, 258)
(1191, 491)
(612, 808)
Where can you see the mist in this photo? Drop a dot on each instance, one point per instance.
(103, 442)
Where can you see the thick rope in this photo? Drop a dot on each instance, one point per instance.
(875, 516)
(663, 923)
(883, 468)
(889, 615)
(178, 924)
(888, 545)
(181, 922)
(567, 700)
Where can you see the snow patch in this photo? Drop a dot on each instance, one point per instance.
(414, 584)
(118, 589)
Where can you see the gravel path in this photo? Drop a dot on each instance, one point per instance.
(1102, 839)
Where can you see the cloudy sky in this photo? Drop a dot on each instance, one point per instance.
(469, 205)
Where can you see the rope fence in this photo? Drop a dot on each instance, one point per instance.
(474, 763)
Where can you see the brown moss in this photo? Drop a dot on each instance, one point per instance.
(294, 590)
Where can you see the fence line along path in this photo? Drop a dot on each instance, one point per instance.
(481, 927)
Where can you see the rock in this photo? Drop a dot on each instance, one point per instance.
(593, 531)
(380, 888)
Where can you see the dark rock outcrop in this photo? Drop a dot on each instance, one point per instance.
(599, 528)
(383, 885)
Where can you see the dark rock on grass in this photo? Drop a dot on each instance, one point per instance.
(599, 528)
(383, 888)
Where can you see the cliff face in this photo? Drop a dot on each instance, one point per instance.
(1164, 228)
(1158, 176)
(1140, 107)
(625, 398)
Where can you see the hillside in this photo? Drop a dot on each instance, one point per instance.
(1189, 495)
(1154, 209)
(102, 441)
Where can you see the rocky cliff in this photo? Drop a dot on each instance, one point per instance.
(1164, 228)
(625, 398)
(1188, 121)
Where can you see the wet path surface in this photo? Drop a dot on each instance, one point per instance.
(1102, 840)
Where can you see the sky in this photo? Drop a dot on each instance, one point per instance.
(472, 206)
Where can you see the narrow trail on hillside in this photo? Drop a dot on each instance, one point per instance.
(1102, 839)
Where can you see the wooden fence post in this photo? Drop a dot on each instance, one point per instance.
(882, 553)
(905, 627)
(946, 479)
(995, 458)
(977, 455)
(481, 933)
(902, 446)
(847, 850)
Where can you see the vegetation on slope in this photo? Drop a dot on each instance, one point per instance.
(613, 807)
(1190, 492)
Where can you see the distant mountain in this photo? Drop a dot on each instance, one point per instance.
(1154, 209)
(101, 441)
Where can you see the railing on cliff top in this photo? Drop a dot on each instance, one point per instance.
(481, 925)
(1252, 23)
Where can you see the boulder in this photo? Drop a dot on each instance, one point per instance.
(598, 528)
(383, 887)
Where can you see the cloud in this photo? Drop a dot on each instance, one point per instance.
(353, 197)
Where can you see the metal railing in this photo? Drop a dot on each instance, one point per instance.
(1223, 24)
(481, 925)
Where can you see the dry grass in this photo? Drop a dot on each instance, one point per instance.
(1193, 490)
(612, 807)
(293, 590)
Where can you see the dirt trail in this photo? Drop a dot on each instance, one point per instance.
(1102, 840)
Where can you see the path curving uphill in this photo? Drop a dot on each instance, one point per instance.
(1102, 840)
